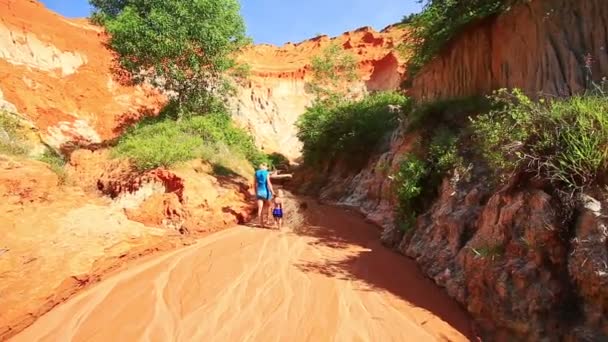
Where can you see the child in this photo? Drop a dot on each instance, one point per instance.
(277, 211)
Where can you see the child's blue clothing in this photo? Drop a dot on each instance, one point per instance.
(277, 212)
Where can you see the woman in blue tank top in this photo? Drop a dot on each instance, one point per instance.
(263, 191)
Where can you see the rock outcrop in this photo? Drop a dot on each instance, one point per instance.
(551, 46)
(503, 258)
(188, 198)
(507, 255)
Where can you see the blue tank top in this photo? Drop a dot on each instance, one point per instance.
(261, 177)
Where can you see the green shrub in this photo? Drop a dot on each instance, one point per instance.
(417, 179)
(443, 151)
(279, 161)
(564, 141)
(158, 144)
(164, 142)
(13, 142)
(56, 163)
(351, 128)
(332, 72)
(409, 183)
(12, 136)
(508, 126)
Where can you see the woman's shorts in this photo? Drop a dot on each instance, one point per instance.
(264, 195)
(277, 212)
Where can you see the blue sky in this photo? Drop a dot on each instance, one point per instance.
(280, 21)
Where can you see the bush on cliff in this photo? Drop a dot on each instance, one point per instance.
(564, 141)
(164, 142)
(12, 135)
(56, 162)
(452, 112)
(182, 47)
(185, 49)
(419, 174)
(409, 185)
(333, 71)
(350, 129)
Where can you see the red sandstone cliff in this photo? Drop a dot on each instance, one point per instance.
(539, 46)
(62, 234)
(58, 74)
(275, 95)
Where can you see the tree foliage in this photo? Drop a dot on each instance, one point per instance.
(180, 46)
(333, 71)
(352, 128)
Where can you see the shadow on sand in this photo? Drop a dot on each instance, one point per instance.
(371, 264)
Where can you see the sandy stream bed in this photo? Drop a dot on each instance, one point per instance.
(327, 279)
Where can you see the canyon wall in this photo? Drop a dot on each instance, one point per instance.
(269, 103)
(539, 46)
(65, 228)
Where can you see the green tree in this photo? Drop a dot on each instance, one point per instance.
(183, 47)
(332, 73)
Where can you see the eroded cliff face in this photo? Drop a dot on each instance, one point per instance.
(506, 254)
(269, 103)
(57, 73)
(551, 46)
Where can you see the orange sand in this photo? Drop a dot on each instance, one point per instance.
(327, 280)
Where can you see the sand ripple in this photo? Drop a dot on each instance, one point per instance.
(331, 281)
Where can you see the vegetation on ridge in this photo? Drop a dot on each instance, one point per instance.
(563, 141)
(183, 48)
(157, 142)
(56, 162)
(350, 129)
(333, 71)
(12, 136)
(421, 171)
(13, 141)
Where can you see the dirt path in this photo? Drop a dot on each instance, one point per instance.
(329, 280)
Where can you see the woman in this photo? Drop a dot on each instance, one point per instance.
(263, 191)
